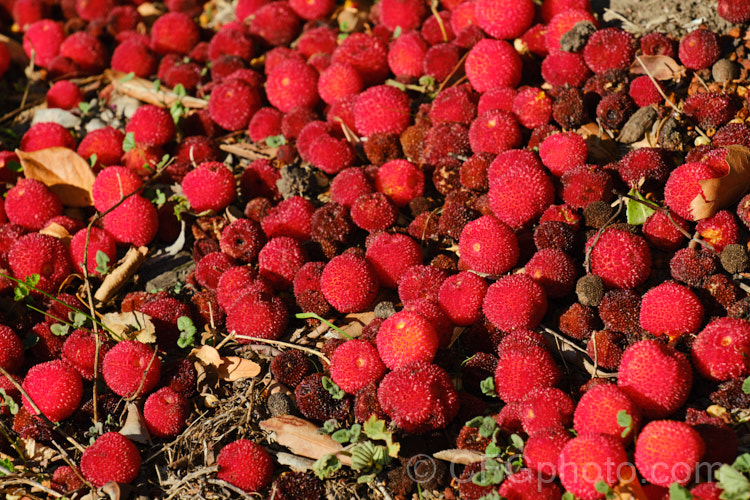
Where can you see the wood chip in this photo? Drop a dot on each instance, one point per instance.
(456, 456)
(143, 90)
(121, 274)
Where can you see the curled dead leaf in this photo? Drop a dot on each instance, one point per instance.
(660, 67)
(206, 355)
(134, 427)
(302, 438)
(63, 170)
(722, 192)
(117, 491)
(37, 452)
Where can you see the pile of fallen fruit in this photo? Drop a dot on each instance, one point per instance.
(473, 249)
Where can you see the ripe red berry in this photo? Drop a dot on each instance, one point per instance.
(165, 413)
(245, 464)
(55, 388)
(112, 457)
(130, 368)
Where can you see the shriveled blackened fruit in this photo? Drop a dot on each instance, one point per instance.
(29, 426)
(723, 289)
(620, 311)
(412, 140)
(447, 176)
(203, 247)
(554, 234)
(590, 290)
(743, 210)
(740, 309)
(290, 367)
(597, 214)
(429, 475)
(307, 291)
(473, 172)
(205, 305)
(399, 481)
(181, 377)
(445, 140)
(109, 403)
(293, 485)
(420, 204)
(382, 147)
(730, 395)
(692, 267)
(607, 83)
(470, 439)
(615, 109)
(482, 336)
(445, 262)
(366, 404)
(257, 208)
(331, 226)
(371, 329)
(605, 348)
(316, 403)
(735, 259)
(540, 133)
(578, 321)
(569, 109)
(476, 369)
(453, 219)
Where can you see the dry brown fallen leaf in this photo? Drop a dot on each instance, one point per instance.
(357, 322)
(65, 172)
(602, 149)
(226, 368)
(660, 67)
(17, 54)
(131, 325)
(302, 438)
(457, 456)
(57, 231)
(134, 427)
(724, 191)
(235, 368)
